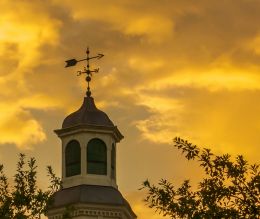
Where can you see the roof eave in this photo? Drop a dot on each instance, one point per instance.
(90, 128)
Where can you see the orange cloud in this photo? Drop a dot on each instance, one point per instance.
(18, 127)
(22, 34)
(123, 16)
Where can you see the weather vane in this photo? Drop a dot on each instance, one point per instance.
(87, 70)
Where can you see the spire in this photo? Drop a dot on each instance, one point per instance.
(87, 71)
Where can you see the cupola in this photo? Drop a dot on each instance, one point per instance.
(89, 140)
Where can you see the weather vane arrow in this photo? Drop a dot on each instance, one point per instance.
(73, 62)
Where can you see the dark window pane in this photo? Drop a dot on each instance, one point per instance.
(97, 151)
(97, 168)
(72, 158)
(73, 169)
(97, 157)
(113, 161)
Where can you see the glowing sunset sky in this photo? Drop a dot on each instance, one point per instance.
(187, 68)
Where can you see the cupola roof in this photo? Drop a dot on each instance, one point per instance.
(90, 194)
(87, 114)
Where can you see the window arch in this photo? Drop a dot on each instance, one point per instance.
(96, 157)
(73, 158)
(113, 161)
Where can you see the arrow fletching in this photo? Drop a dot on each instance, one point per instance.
(71, 62)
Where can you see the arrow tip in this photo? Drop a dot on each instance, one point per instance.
(100, 56)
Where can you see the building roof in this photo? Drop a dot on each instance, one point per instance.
(89, 194)
(87, 114)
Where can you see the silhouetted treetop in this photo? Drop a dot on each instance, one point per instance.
(230, 189)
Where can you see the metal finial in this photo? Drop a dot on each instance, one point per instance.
(87, 70)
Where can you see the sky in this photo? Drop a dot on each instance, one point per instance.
(171, 68)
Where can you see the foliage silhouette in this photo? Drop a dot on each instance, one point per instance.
(230, 189)
(24, 200)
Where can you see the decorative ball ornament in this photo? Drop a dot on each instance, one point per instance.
(88, 78)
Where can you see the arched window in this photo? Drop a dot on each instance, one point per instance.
(113, 161)
(96, 157)
(72, 158)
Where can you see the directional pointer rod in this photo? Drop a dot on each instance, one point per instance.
(73, 62)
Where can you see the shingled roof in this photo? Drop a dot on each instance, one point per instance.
(89, 194)
(87, 114)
